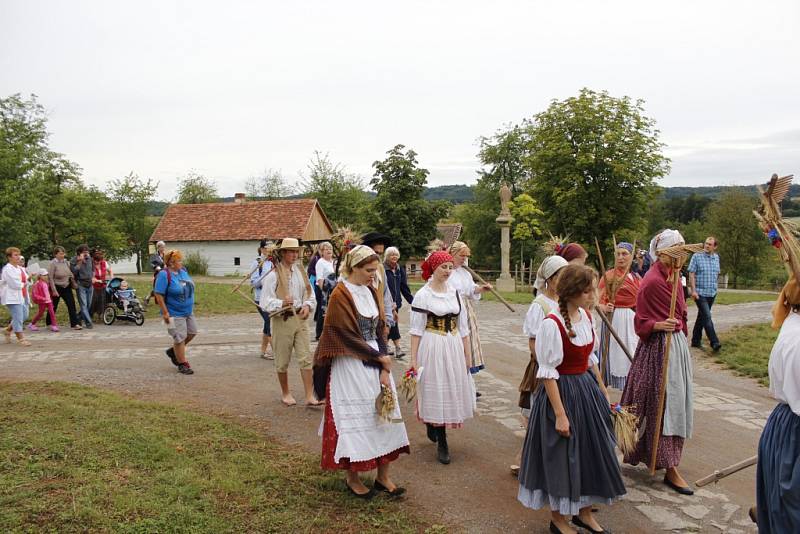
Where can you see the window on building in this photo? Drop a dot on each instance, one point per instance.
(413, 267)
(237, 261)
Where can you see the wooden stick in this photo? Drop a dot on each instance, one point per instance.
(719, 474)
(247, 276)
(662, 393)
(605, 347)
(622, 345)
(493, 291)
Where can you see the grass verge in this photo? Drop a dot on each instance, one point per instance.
(78, 459)
(745, 349)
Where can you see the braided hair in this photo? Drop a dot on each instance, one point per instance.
(572, 281)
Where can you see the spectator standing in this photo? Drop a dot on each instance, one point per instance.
(102, 273)
(157, 264)
(704, 270)
(641, 264)
(83, 269)
(62, 282)
(397, 282)
(174, 291)
(41, 297)
(26, 305)
(13, 293)
(259, 270)
(323, 268)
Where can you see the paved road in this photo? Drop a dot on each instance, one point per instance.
(475, 493)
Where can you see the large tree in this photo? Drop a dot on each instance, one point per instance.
(195, 188)
(130, 197)
(593, 161)
(341, 194)
(399, 210)
(268, 185)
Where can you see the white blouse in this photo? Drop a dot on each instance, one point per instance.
(784, 364)
(439, 304)
(537, 313)
(461, 280)
(549, 347)
(323, 268)
(365, 302)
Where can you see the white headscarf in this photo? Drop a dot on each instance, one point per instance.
(667, 238)
(550, 266)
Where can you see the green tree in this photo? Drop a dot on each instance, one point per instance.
(195, 188)
(503, 157)
(526, 226)
(593, 162)
(742, 245)
(268, 185)
(399, 210)
(342, 195)
(130, 197)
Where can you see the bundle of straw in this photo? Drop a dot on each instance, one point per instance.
(552, 246)
(385, 403)
(625, 428)
(408, 384)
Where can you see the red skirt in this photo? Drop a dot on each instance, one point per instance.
(330, 437)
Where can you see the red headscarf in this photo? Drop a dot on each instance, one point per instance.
(433, 262)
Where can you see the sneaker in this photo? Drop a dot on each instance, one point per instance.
(54, 328)
(89, 326)
(717, 348)
(171, 354)
(185, 369)
(33, 328)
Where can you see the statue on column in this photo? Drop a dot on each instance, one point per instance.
(505, 198)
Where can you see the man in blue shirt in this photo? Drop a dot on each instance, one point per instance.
(703, 273)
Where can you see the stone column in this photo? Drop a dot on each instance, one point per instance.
(505, 282)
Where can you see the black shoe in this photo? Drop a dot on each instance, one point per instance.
(396, 492)
(697, 345)
(683, 490)
(89, 326)
(554, 529)
(578, 523)
(717, 347)
(442, 451)
(431, 432)
(171, 353)
(366, 496)
(478, 394)
(184, 369)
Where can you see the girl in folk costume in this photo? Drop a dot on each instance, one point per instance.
(643, 387)
(461, 280)
(350, 367)
(546, 301)
(568, 460)
(440, 348)
(778, 473)
(618, 288)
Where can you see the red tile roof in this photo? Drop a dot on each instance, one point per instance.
(232, 221)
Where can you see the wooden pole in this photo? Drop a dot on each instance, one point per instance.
(605, 346)
(719, 474)
(494, 292)
(607, 322)
(662, 392)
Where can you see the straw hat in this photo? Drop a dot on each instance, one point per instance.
(288, 243)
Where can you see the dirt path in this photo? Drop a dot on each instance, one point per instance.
(476, 492)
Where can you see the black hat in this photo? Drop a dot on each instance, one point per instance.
(370, 238)
(263, 243)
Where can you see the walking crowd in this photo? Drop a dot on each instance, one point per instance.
(567, 461)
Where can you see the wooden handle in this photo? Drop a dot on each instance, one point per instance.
(719, 474)
(494, 292)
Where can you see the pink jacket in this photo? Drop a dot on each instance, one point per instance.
(41, 292)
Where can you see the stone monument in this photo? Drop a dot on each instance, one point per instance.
(505, 282)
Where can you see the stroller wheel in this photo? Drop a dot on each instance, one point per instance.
(109, 315)
(138, 318)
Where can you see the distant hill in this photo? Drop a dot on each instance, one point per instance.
(457, 194)
(715, 191)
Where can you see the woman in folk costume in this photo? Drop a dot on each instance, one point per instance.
(440, 350)
(568, 460)
(461, 280)
(642, 389)
(546, 301)
(618, 288)
(573, 253)
(350, 366)
(778, 472)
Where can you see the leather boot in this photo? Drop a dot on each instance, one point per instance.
(442, 453)
(432, 433)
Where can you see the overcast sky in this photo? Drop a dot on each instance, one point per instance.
(231, 88)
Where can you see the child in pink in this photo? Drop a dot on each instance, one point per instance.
(41, 296)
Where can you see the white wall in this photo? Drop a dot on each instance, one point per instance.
(127, 266)
(221, 254)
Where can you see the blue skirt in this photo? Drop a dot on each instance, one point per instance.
(778, 474)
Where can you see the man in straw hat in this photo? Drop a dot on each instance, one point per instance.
(286, 294)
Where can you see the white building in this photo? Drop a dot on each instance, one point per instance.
(228, 234)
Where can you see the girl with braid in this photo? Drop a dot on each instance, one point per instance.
(568, 460)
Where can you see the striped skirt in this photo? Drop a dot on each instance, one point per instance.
(476, 363)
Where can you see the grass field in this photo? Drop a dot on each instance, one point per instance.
(78, 459)
(745, 349)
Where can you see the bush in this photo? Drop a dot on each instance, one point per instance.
(196, 264)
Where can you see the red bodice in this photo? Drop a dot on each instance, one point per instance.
(576, 358)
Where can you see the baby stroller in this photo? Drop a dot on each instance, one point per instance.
(115, 309)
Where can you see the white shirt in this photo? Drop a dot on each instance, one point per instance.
(784, 364)
(12, 285)
(323, 269)
(438, 304)
(550, 349)
(536, 314)
(269, 301)
(461, 280)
